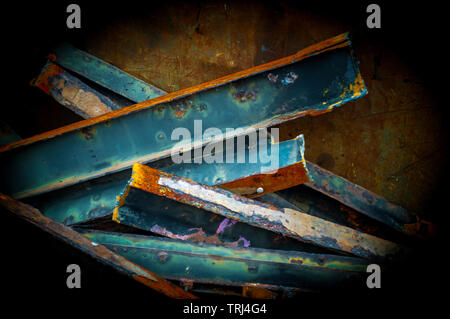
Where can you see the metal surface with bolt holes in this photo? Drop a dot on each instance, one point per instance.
(271, 93)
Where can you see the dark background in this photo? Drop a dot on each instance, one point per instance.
(406, 56)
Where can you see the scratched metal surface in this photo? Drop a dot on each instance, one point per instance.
(389, 142)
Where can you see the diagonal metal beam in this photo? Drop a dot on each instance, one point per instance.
(207, 263)
(271, 93)
(98, 251)
(289, 222)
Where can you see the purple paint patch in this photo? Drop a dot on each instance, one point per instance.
(246, 242)
(224, 224)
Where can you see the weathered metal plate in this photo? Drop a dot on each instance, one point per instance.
(208, 263)
(97, 198)
(292, 223)
(258, 97)
(98, 251)
(104, 74)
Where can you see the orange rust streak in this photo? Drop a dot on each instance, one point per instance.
(255, 292)
(42, 81)
(321, 112)
(329, 44)
(283, 178)
(164, 286)
(98, 251)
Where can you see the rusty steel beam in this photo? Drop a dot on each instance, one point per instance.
(98, 251)
(290, 222)
(114, 141)
(75, 94)
(233, 266)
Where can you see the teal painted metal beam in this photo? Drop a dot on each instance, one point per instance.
(207, 263)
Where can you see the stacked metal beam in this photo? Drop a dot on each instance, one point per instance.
(212, 233)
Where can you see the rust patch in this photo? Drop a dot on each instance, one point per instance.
(87, 132)
(270, 182)
(43, 80)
